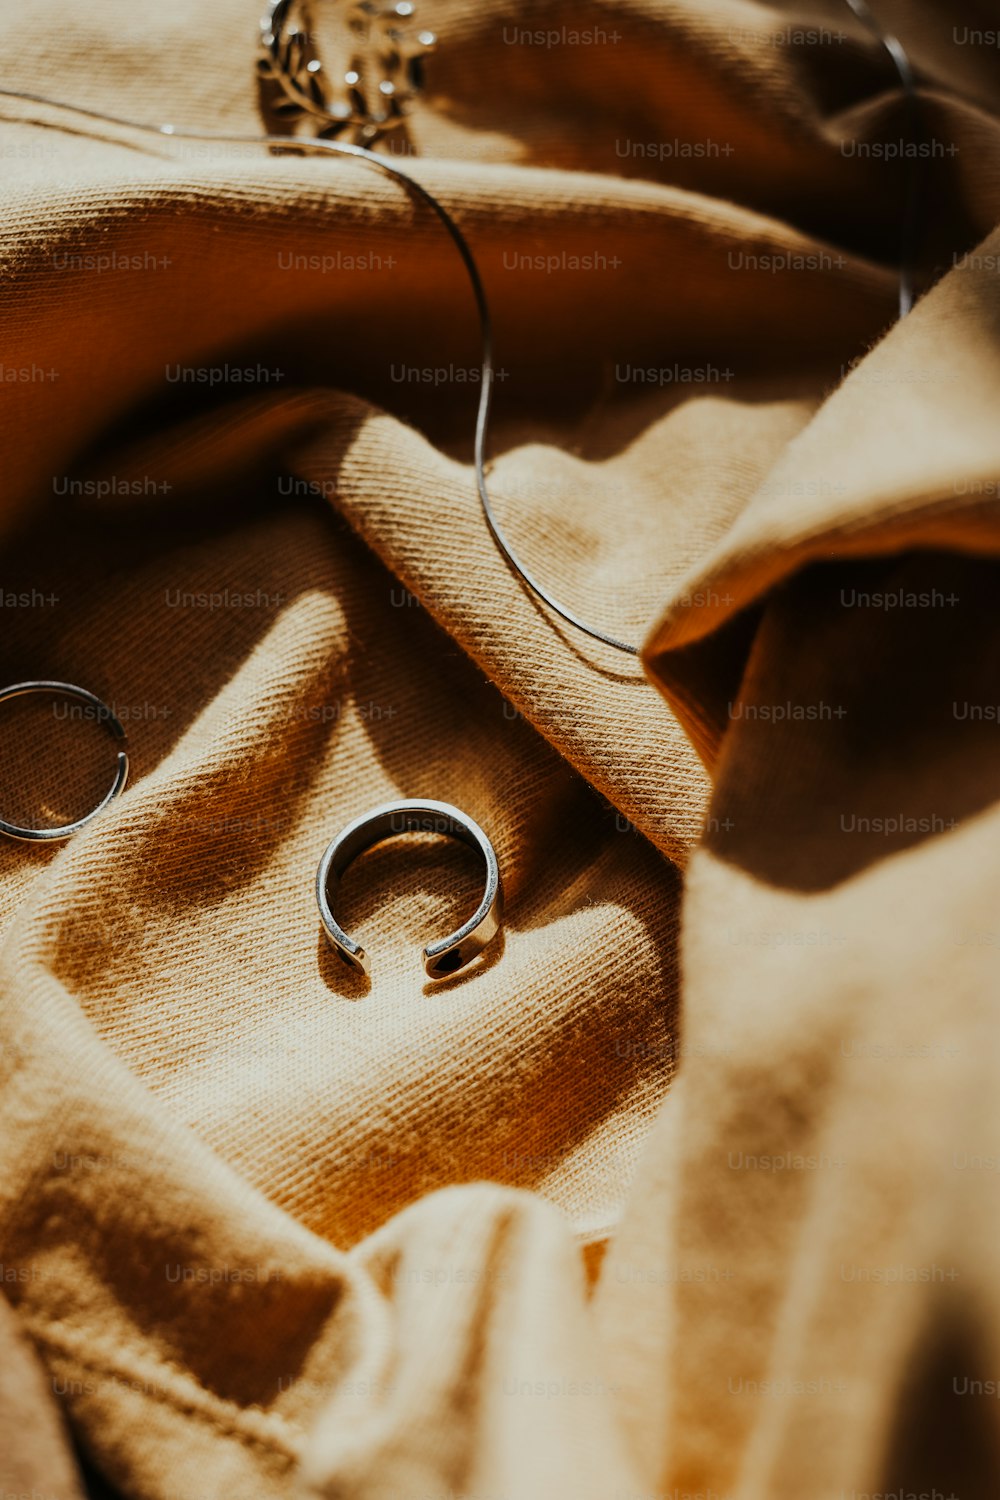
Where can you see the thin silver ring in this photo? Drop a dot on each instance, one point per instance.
(450, 955)
(111, 722)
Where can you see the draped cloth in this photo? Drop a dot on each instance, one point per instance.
(689, 1187)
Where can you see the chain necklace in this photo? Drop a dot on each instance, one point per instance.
(305, 99)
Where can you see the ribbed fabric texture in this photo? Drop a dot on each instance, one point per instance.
(684, 1190)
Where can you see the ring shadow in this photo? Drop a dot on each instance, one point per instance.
(406, 867)
(351, 984)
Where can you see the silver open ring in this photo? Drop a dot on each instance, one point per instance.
(450, 955)
(103, 715)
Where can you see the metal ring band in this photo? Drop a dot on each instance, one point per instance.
(450, 955)
(104, 716)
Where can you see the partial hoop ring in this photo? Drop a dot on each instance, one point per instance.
(450, 955)
(96, 710)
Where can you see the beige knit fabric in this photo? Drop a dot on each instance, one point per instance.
(565, 1226)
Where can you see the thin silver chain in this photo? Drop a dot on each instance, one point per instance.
(286, 143)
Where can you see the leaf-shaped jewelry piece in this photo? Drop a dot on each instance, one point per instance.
(362, 97)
